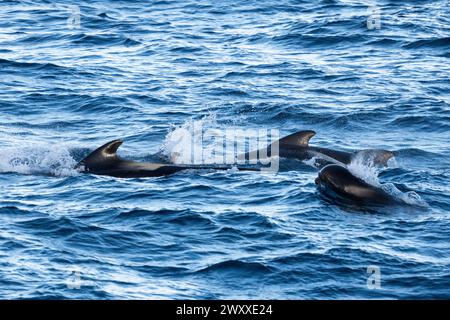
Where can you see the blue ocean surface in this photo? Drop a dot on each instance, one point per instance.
(362, 74)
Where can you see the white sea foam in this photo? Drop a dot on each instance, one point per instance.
(204, 141)
(364, 168)
(185, 144)
(38, 159)
(409, 197)
(312, 162)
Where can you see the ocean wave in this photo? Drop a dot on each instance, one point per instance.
(18, 67)
(104, 39)
(237, 266)
(435, 43)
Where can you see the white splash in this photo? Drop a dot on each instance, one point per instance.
(364, 168)
(233, 169)
(184, 144)
(409, 197)
(313, 162)
(392, 163)
(38, 159)
(205, 142)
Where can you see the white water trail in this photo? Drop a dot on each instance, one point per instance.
(38, 158)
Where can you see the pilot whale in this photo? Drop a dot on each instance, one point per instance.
(105, 161)
(296, 146)
(338, 182)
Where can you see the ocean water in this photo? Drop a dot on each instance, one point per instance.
(362, 74)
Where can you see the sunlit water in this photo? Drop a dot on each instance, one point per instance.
(146, 71)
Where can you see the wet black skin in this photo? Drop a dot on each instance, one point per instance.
(105, 161)
(308, 152)
(296, 146)
(337, 180)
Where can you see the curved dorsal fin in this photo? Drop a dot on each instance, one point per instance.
(110, 148)
(300, 138)
(102, 154)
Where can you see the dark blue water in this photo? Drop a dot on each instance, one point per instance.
(141, 70)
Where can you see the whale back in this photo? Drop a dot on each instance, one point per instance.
(374, 156)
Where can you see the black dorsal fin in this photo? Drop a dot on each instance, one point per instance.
(103, 154)
(110, 148)
(300, 138)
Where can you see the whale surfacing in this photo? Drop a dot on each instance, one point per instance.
(296, 146)
(336, 180)
(105, 161)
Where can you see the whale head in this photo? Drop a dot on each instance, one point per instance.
(337, 181)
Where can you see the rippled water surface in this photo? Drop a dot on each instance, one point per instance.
(76, 75)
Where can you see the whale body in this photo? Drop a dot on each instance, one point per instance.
(338, 182)
(296, 146)
(105, 161)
